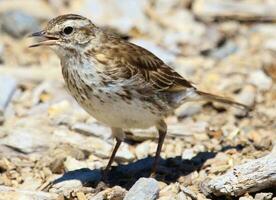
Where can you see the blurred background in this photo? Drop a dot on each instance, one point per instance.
(225, 47)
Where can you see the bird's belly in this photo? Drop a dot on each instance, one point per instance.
(115, 112)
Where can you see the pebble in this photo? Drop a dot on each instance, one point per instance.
(188, 110)
(122, 14)
(15, 194)
(94, 129)
(71, 164)
(188, 154)
(227, 49)
(142, 150)
(124, 154)
(260, 80)
(114, 193)
(246, 198)
(18, 24)
(242, 11)
(7, 88)
(65, 187)
(27, 140)
(246, 97)
(144, 188)
(182, 196)
(263, 196)
(76, 178)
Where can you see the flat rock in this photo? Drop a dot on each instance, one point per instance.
(115, 193)
(263, 196)
(123, 14)
(15, 194)
(7, 89)
(144, 188)
(18, 24)
(260, 80)
(124, 154)
(237, 10)
(94, 129)
(26, 140)
(188, 110)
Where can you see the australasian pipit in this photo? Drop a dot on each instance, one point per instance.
(119, 83)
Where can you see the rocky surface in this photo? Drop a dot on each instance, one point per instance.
(51, 149)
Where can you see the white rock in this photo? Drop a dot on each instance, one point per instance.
(66, 187)
(144, 188)
(246, 198)
(188, 109)
(7, 89)
(246, 97)
(17, 194)
(244, 10)
(260, 80)
(188, 154)
(142, 150)
(124, 154)
(27, 140)
(263, 196)
(122, 14)
(95, 129)
(18, 24)
(71, 164)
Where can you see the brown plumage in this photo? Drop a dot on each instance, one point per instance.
(119, 83)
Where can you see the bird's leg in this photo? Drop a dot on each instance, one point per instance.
(118, 134)
(117, 145)
(162, 130)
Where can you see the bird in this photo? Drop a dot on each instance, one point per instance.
(120, 84)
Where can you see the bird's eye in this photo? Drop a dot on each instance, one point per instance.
(68, 30)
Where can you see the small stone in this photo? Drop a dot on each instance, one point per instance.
(188, 110)
(27, 140)
(124, 154)
(18, 24)
(14, 194)
(66, 187)
(115, 193)
(144, 188)
(142, 150)
(76, 178)
(182, 196)
(94, 129)
(227, 49)
(209, 10)
(263, 196)
(246, 97)
(7, 89)
(188, 154)
(246, 198)
(71, 164)
(260, 80)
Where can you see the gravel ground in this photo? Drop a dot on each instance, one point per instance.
(51, 149)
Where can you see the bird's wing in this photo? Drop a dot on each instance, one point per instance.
(126, 60)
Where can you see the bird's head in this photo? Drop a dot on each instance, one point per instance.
(66, 33)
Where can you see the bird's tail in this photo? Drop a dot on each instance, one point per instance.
(213, 97)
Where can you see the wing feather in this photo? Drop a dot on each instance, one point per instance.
(132, 59)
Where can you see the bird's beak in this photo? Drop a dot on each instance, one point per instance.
(48, 39)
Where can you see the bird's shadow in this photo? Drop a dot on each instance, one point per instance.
(169, 170)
